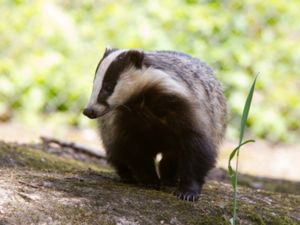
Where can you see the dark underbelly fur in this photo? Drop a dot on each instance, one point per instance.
(153, 123)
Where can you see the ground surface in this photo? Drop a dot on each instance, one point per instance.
(37, 187)
(277, 161)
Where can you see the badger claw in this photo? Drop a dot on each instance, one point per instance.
(187, 196)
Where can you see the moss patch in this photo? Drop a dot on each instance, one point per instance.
(14, 156)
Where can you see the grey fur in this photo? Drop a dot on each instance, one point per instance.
(196, 76)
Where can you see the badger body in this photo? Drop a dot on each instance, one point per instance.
(158, 102)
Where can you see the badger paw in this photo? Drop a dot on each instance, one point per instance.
(187, 196)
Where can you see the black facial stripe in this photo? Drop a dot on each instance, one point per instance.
(106, 53)
(112, 74)
(127, 59)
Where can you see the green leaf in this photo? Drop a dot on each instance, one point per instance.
(231, 172)
(246, 110)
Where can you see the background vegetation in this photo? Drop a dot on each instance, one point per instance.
(49, 51)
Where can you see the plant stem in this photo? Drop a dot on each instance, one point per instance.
(235, 186)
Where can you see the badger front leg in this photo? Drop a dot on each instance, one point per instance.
(132, 163)
(143, 168)
(123, 171)
(168, 167)
(197, 157)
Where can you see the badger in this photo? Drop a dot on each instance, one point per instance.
(151, 102)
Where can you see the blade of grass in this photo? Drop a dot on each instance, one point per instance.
(246, 111)
(233, 174)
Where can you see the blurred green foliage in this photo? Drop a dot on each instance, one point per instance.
(49, 51)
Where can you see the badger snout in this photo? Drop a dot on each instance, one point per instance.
(95, 112)
(90, 113)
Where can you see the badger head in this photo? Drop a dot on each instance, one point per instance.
(114, 69)
(123, 73)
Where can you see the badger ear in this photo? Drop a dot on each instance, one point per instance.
(109, 50)
(136, 57)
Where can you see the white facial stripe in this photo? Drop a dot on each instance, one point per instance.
(100, 75)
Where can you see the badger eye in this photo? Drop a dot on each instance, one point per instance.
(104, 91)
(109, 88)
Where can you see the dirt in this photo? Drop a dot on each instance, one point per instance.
(37, 187)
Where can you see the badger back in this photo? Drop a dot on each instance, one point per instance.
(204, 90)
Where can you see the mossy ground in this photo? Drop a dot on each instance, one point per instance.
(39, 188)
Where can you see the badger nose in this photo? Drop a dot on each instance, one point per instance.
(90, 113)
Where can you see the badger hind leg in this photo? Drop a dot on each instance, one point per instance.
(197, 157)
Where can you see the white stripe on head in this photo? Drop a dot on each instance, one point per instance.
(100, 75)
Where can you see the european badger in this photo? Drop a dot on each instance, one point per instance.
(158, 102)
